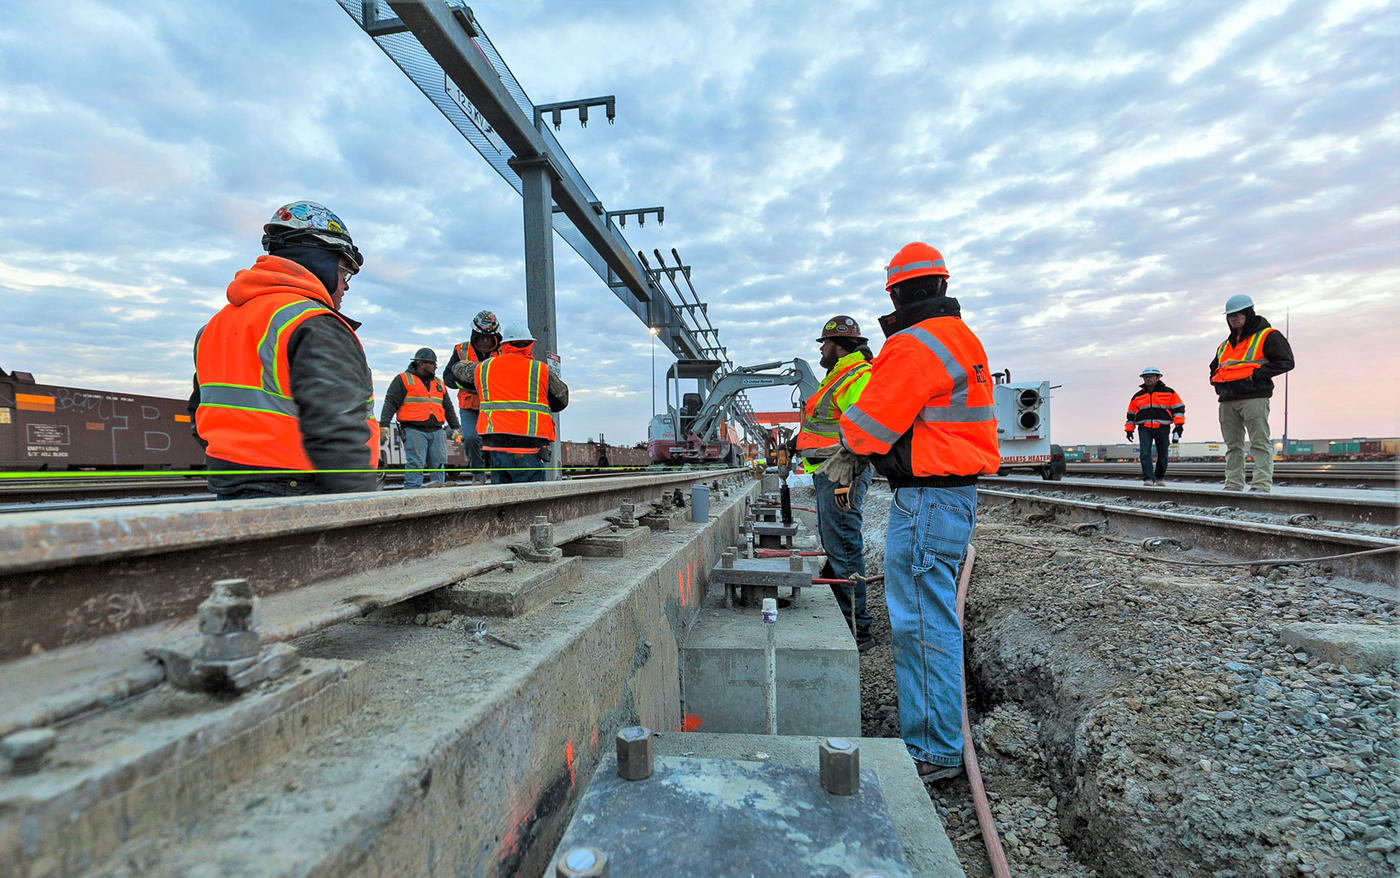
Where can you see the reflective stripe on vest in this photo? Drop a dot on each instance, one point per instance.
(421, 402)
(499, 380)
(1237, 361)
(256, 424)
(821, 421)
(957, 410)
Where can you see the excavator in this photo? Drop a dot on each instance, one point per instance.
(696, 430)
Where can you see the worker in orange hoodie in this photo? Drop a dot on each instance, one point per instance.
(285, 400)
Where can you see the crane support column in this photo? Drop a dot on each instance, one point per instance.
(537, 195)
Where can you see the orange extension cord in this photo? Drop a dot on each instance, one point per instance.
(974, 774)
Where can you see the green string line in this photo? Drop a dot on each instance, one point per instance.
(146, 474)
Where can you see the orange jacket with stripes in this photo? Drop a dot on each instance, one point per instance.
(1155, 408)
(248, 412)
(514, 395)
(927, 416)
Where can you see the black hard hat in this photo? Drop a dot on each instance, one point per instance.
(425, 355)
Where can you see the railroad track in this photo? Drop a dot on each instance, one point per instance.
(83, 597)
(1300, 506)
(1384, 474)
(98, 492)
(1369, 562)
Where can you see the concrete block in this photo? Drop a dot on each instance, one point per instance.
(513, 592)
(663, 521)
(135, 769)
(616, 543)
(1360, 648)
(926, 845)
(722, 667)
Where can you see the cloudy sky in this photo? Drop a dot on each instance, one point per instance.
(1100, 176)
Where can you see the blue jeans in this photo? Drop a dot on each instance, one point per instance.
(841, 540)
(1148, 437)
(471, 440)
(422, 450)
(929, 530)
(509, 468)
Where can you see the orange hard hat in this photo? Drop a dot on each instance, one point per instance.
(914, 260)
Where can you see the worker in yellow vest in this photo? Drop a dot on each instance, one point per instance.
(1242, 373)
(418, 398)
(846, 358)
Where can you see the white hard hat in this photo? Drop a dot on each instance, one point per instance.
(515, 332)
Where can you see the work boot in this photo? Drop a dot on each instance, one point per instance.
(1233, 488)
(930, 772)
(1260, 489)
(1160, 482)
(1148, 482)
(865, 642)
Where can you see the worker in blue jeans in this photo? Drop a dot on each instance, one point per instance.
(845, 550)
(930, 528)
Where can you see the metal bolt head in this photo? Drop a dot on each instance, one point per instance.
(634, 753)
(581, 862)
(840, 766)
(26, 749)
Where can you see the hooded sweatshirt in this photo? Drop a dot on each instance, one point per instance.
(1278, 358)
(330, 382)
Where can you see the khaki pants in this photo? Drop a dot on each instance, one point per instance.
(1237, 417)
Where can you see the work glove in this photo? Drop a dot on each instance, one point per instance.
(841, 468)
(454, 435)
(1129, 434)
(1176, 434)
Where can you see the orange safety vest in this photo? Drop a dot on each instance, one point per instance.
(466, 400)
(514, 395)
(1239, 360)
(246, 412)
(930, 380)
(821, 420)
(421, 401)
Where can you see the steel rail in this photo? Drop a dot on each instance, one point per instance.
(1374, 474)
(105, 591)
(68, 576)
(1382, 511)
(1222, 537)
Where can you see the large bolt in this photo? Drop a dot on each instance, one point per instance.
(542, 534)
(226, 623)
(840, 766)
(26, 750)
(629, 510)
(795, 561)
(581, 862)
(634, 752)
(726, 559)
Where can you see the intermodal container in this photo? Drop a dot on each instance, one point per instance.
(1298, 448)
(1352, 447)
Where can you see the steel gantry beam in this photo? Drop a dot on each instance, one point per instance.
(442, 48)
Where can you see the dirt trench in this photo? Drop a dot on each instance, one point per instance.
(1143, 719)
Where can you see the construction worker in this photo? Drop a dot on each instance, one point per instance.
(1154, 410)
(1242, 372)
(845, 357)
(518, 394)
(485, 341)
(420, 402)
(927, 421)
(281, 380)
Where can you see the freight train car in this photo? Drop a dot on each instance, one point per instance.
(46, 427)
